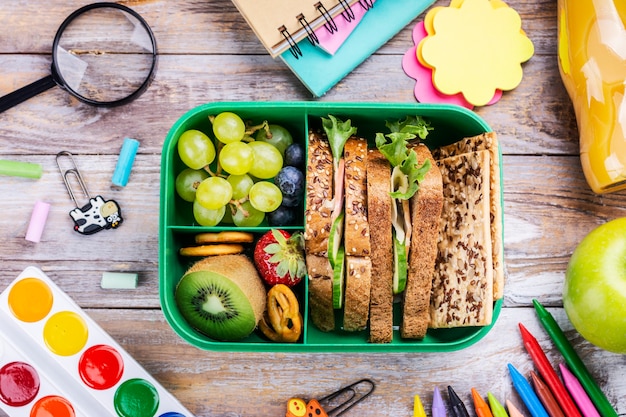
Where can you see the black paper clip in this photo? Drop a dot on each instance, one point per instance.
(332, 405)
(98, 214)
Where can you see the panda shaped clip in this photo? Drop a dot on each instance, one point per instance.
(98, 214)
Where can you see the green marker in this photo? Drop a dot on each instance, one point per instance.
(497, 409)
(577, 367)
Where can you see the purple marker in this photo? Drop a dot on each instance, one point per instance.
(578, 393)
(439, 408)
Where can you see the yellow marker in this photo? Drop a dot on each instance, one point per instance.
(418, 408)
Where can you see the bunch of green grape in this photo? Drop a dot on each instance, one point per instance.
(240, 190)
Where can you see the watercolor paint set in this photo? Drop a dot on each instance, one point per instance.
(56, 361)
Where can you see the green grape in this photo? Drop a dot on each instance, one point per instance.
(241, 185)
(267, 160)
(207, 217)
(195, 149)
(265, 196)
(281, 138)
(228, 214)
(187, 182)
(248, 216)
(236, 158)
(228, 127)
(214, 192)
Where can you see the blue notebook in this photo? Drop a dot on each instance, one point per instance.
(320, 71)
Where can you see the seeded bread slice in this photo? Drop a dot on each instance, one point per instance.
(319, 182)
(462, 292)
(486, 141)
(379, 213)
(321, 292)
(357, 293)
(357, 229)
(426, 207)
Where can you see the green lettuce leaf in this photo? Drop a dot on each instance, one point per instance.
(338, 132)
(411, 124)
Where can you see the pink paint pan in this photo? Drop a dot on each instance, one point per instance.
(56, 361)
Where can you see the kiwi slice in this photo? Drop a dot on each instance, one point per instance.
(222, 297)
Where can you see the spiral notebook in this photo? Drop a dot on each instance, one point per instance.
(287, 30)
(320, 71)
(281, 24)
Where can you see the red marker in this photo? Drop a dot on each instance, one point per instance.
(548, 374)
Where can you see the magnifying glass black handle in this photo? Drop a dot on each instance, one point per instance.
(26, 92)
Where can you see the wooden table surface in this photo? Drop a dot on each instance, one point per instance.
(208, 54)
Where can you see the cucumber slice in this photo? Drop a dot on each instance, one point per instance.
(399, 266)
(338, 275)
(335, 239)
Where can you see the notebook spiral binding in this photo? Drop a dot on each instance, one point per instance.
(330, 24)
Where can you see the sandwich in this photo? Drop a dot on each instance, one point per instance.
(337, 258)
(394, 178)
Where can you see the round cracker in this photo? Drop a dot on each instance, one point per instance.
(212, 250)
(225, 237)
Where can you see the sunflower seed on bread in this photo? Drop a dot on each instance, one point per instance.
(486, 141)
(357, 293)
(462, 293)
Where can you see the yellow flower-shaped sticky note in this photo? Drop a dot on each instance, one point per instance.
(475, 49)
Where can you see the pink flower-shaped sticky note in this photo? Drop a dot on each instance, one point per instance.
(425, 91)
(476, 49)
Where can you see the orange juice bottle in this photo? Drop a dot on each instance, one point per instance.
(592, 63)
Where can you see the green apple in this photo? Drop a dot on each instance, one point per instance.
(594, 294)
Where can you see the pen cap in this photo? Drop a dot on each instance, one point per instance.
(37, 221)
(125, 162)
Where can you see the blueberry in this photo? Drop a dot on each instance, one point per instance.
(289, 201)
(282, 216)
(290, 181)
(294, 155)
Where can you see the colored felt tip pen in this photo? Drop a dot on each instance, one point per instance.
(578, 392)
(20, 169)
(480, 406)
(418, 407)
(526, 393)
(574, 363)
(513, 411)
(497, 409)
(545, 396)
(439, 408)
(548, 373)
(457, 407)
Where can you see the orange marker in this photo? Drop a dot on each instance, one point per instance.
(481, 407)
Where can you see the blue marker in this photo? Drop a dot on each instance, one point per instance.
(439, 408)
(526, 393)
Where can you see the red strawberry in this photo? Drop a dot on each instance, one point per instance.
(279, 257)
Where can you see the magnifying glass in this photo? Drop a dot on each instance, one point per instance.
(104, 54)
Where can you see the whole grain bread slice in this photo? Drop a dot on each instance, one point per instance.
(426, 206)
(357, 229)
(379, 213)
(357, 293)
(462, 293)
(321, 292)
(319, 183)
(486, 141)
